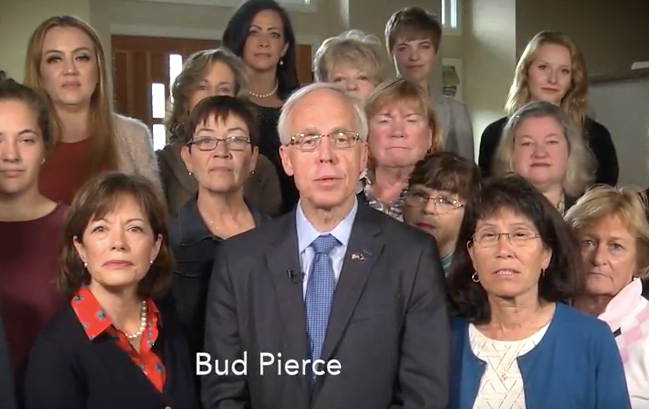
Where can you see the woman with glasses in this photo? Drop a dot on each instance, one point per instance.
(516, 343)
(438, 189)
(221, 146)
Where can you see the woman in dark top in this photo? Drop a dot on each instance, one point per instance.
(221, 143)
(260, 32)
(30, 224)
(552, 69)
(110, 346)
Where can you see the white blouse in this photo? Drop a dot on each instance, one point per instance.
(501, 385)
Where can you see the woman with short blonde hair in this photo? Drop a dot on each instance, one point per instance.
(614, 234)
(204, 74)
(353, 59)
(66, 63)
(542, 144)
(552, 69)
(403, 128)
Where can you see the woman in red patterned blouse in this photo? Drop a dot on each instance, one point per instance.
(111, 346)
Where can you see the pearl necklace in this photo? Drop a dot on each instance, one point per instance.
(142, 323)
(265, 95)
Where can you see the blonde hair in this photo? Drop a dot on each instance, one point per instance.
(101, 126)
(403, 91)
(580, 171)
(354, 47)
(628, 204)
(575, 102)
(193, 71)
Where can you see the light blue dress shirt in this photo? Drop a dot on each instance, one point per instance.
(306, 234)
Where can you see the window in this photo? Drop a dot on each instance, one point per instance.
(451, 16)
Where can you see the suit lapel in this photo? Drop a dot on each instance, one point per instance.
(364, 248)
(282, 258)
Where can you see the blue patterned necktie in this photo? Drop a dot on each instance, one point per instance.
(319, 292)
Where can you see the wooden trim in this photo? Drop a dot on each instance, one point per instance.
(620, 76)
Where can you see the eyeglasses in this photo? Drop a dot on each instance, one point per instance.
(311, 141)
(443, 203)
(518, 238)
(209, 143)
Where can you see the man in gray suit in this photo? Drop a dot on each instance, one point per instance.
(413, 36)
(334, 305)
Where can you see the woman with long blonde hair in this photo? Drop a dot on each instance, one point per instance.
(552, 69)
(66, 63)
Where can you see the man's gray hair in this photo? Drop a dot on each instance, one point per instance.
(297, 96)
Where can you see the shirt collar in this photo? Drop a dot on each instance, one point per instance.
(622, 304)
(306, 233)
(93, 318)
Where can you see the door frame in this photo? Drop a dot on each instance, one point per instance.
(195, 33)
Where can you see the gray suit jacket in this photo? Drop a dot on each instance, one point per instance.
(388, 327)
(456, 125)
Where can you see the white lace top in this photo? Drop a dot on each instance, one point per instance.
(501, 386)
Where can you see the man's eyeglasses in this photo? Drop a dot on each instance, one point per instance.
(209, 143)
(442, 202)
(309, 142)
(517, 238)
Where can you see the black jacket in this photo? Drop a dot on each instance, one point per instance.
(194, 247)
(6, 386)
(68, 371)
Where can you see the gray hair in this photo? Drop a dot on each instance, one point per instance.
(297, 96)
(580, 171)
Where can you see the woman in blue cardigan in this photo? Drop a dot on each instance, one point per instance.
(516, 344)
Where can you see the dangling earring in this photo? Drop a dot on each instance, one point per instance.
(475, 278)
(542, 272)
(281, 61)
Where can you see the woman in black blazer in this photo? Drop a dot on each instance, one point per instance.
(552, 69)
(220, 148)
(110, 346)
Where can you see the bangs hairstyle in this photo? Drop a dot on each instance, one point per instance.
(401, 91)
(353, 47)
(580, 171)
(220, 108)
(194, 70)
(575, 102)
(10, 90)
(561, 281)
(98, 197)
(446, 171)
(626, 203)
(101, 125)
(237, 31)
(413, 23)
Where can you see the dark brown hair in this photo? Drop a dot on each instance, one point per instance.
(561, 281)
(98, 197)
(447, 171)
(10, 90)
(220, 107)
(414, 23)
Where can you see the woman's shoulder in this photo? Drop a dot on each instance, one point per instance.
(495, 128)
(574, 324)
(60, 331)
(128, 126)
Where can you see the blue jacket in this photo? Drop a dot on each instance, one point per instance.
(576, 365)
